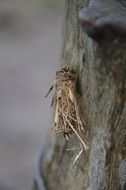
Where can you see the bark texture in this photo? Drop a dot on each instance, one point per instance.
(102, 87)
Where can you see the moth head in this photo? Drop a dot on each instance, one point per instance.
(66, 73)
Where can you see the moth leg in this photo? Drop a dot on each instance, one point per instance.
(79, 119)
(79, 154)
(79, 138)
(56, 118)
(52, 102)
(67, 112)
(74, 148)
(63, 120)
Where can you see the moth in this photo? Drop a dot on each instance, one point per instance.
(67, 118)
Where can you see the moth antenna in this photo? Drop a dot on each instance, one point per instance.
(49, 91)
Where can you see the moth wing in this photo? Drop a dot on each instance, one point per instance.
(71, 95)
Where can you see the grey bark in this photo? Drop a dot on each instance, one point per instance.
(104, 19)
(102, 87)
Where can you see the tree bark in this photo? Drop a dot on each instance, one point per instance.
(102, 86)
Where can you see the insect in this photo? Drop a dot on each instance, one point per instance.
(67, 118)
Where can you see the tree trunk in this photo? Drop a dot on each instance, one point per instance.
(102, 86)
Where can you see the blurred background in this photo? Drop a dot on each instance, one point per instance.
(30, 48)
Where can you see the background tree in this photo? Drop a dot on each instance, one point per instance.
(101, 63)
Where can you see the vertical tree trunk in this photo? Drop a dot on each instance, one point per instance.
(102, 85)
